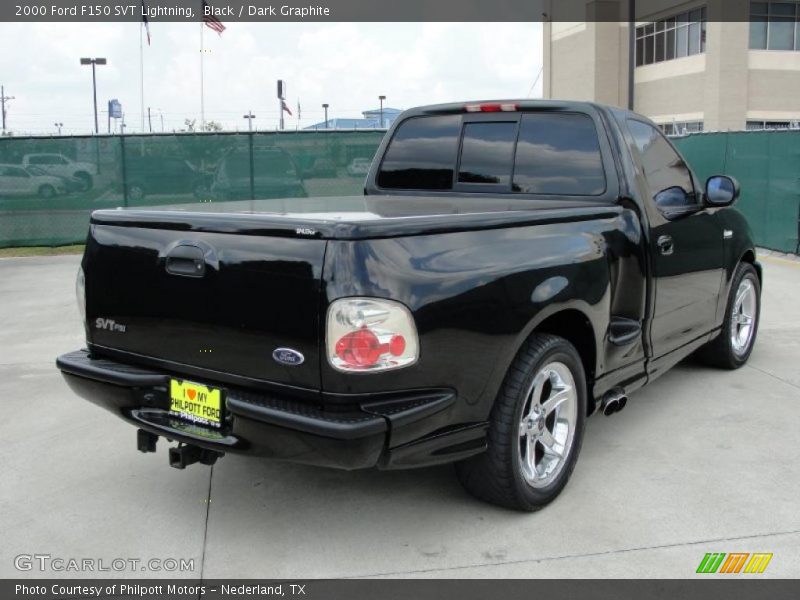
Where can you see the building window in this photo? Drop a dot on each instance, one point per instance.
(759, 125)
(676, 37)
(774, 26)
(681, 127)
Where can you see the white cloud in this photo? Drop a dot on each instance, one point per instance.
(345, 64)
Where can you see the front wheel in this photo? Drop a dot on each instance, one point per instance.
(86, 180)
(535, 430)
(734, 344)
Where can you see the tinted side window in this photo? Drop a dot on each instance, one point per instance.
(667, 175)
(558, 153)
(487, 153)
(422, 154)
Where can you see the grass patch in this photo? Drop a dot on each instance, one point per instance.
(41, 251)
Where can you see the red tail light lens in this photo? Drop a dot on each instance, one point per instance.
(370, 335)
(362, 348)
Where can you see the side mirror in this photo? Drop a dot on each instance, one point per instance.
(721, 190)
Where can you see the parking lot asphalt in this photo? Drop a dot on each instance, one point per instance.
(700, 461)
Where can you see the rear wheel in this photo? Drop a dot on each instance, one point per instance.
(535, 431)
(733, 346)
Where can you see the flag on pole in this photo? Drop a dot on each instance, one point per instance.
(210, 20)
(286, 108)
(146, 21)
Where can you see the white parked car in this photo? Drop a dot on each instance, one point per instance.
(58, 164)
(16, 181)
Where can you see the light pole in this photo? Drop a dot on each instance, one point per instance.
(249, 116)
(59, 126)
(325, 106)
(381, 98)
(94, 62)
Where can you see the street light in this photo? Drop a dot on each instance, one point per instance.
(94, 62)
(381, 98)
(59, 126)
(325, 106)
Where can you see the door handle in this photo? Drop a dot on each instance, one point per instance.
(186, 260)
(665, 245)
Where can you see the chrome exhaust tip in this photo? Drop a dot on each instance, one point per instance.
(614, 401)
(610, 407)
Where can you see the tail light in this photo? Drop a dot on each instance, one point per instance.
(369, 335)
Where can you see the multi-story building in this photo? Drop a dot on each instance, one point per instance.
(699, 65)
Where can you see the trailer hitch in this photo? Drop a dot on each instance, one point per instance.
(184, 455)
(180, 457)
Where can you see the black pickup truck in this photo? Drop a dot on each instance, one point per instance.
(512, 268)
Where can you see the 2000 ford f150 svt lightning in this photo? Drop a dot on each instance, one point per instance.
(512, 268)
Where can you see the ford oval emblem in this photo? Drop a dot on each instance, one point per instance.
(288, 357)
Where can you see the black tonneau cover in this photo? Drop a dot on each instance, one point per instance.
(356, 217)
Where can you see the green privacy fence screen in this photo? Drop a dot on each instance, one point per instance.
(767, 165)
(49, 186)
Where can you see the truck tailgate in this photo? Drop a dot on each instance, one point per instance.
(219, 302)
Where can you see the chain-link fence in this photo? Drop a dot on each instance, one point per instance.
(49, 186)
(767, 165)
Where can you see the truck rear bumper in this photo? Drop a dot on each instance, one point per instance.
(258, 423)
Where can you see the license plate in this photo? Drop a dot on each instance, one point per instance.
(196, 402)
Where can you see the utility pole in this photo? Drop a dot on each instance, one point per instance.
(325, 106)
(149, 120)
(381, 98)
(249, 116)
(3, 100)
(281, 99)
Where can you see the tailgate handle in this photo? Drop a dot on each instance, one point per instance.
(186, 260)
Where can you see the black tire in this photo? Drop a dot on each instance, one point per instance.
(496, 476)
(86, 180)
(47, 191)
(720, 352)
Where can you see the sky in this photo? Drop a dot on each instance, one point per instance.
(347, 65)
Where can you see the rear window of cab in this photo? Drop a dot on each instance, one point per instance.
(549, 153)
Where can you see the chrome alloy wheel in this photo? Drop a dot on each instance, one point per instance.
(547, 425)
(743, 317)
